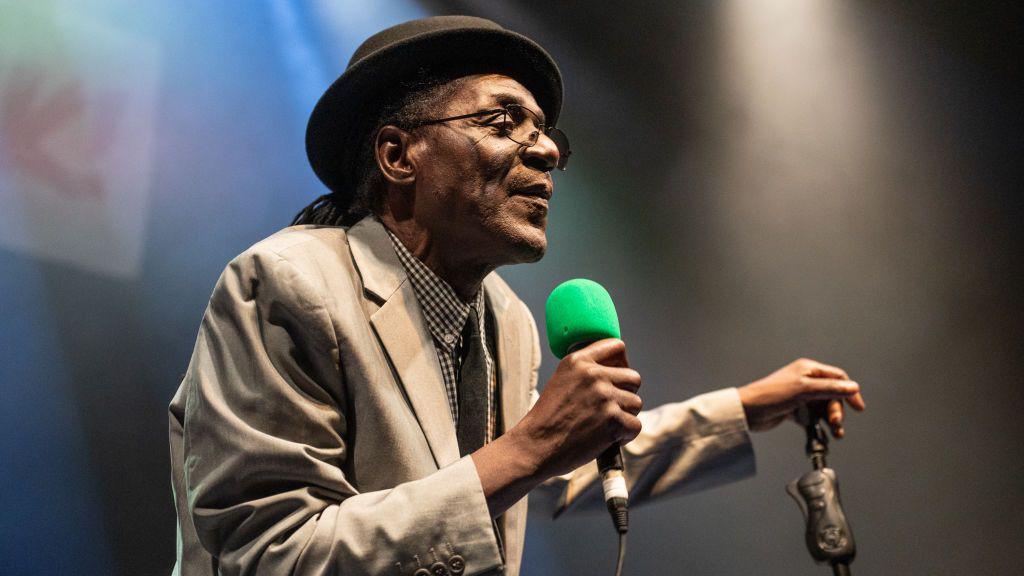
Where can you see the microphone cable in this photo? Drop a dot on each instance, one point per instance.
(622, 554)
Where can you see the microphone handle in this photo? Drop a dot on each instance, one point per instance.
(610, 459)
(613, 481)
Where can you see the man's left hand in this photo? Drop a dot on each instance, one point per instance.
(772, 399)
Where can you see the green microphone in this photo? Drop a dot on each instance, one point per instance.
(579, 312)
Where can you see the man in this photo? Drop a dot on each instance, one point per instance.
(362, 395)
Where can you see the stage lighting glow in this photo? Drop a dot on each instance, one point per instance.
(800, 150)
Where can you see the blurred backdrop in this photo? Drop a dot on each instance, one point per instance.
(753, 181)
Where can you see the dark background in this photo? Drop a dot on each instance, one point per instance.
(752, 181)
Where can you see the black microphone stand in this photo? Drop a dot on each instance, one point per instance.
(828, 535)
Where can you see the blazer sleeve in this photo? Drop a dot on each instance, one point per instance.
(265, 447)
(684, 447)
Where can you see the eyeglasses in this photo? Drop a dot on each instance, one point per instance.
(511, 121)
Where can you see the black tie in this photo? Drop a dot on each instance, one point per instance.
(473, 388)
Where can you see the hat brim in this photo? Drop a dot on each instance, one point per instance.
(338, 126)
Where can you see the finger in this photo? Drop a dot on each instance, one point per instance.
(835, 418)
(822, 370)
(857, 402)
(631, 428)
(623, 378)
(834, 412)
(629, 402)
(827, 388)
(608, 352)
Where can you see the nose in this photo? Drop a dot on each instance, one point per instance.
(543, 155)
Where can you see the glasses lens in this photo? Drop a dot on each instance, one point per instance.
(562, 142)
(527, 130)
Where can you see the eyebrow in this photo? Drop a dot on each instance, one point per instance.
(506, 98)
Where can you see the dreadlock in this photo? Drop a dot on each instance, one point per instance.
(423, 97)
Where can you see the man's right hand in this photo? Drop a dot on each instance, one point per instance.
(589, 404)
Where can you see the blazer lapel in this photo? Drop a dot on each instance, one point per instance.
(402, 330)
(512, 363)
(512, 334)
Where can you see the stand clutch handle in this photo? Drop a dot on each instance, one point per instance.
(828, 534)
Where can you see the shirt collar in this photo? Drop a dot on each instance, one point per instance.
(445, 312)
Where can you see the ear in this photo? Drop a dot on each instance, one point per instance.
(392, 150)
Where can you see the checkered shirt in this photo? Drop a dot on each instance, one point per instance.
(446, 316)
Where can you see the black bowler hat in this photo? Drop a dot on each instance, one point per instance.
(441, 47)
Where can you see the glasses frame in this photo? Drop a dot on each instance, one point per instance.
(556, 134)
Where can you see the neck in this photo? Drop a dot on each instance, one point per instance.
(443, 259)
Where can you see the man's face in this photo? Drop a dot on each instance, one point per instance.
(483, 197)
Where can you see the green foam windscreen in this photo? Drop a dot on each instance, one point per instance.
(579, 311)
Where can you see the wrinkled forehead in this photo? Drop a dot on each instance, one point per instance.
(483, 91)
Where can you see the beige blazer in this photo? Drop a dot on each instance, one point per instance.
(311, 433)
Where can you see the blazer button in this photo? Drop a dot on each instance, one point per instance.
(457, 565)
(439, 569)
(421, 572)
